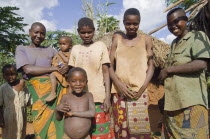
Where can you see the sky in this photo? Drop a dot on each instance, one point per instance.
(64, 14)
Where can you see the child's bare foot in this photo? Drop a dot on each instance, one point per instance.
(51, 97)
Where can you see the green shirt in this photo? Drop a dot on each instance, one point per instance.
(185, 90)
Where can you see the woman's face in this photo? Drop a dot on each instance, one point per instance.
(131, 23)
(177, 24)
(37, 34)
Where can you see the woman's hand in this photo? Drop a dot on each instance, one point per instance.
(140, 92)
(64, 69)
(124, 90)
(163, 74)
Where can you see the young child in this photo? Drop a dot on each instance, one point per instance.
(65, 44)
(77, 106)
(94, 58)
(14, 97)
(132, 56)
(185, 109)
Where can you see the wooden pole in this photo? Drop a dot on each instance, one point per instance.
(174, 5)
(155, 30)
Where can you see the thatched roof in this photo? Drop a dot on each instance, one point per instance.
(160, 48)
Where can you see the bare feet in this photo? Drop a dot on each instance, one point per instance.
(51, 97)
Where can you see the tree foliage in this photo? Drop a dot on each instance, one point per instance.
(185, 5)
(104, 22)
(11, 27)
(99, 15)
(52, 38)
(108, 24)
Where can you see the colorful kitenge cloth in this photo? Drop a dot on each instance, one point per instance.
(187, 123)
(101, 128)
(131, 119)
(45, 124)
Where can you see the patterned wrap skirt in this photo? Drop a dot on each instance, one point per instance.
(187, 123)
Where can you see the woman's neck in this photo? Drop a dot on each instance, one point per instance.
(130, 37)
(34, 45)
(181, 36)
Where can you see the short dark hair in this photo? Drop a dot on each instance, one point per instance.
(76, 69)
(37, 24)
(132, 11)
(8, 66)
(175, 10)
(66, 37)
(85, 21)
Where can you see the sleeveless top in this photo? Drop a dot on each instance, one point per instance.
(131, 64)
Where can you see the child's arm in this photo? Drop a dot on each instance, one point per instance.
(191, 67)
(85, 114)
(122, 87)
(107, 103)
(151, 67)
(65, 59)
(61, 108)
(1, 117)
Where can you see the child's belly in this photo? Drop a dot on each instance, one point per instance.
(77, 128)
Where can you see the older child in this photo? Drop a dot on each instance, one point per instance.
(14, 97)
(77, 106)
(65, 44)
(132, 56)
(94, 58)
(186, 114)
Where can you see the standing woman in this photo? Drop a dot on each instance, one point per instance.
(185, 109)
(132, 56)
(34, 61)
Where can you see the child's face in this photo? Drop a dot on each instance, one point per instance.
(10, 75)
(131, 23)
(65, 44)
(37, 34)
(176, 24)
(86, 34)
(78, 81)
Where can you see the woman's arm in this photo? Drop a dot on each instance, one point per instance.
(38, 70)
(151, 67)
(187, 68)
(122, 87)
(86, 114)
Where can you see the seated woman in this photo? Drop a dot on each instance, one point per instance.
(35, 63)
